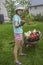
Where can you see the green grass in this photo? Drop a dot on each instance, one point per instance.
(34, 55)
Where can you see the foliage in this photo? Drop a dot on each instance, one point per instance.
(29, 18)
(38, 17)
(10, 8)
(25, 13)
(9, 4)
(23, 2)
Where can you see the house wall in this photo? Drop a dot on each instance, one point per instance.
(36, 10)
(3, 10)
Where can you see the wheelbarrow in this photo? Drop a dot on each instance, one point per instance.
(28, 43)
(33, 39)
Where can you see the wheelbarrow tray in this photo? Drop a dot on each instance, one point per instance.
(27, 42)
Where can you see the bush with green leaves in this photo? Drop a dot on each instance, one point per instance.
(38, 17)
(9, 4)
(29, 18)
(10, 8)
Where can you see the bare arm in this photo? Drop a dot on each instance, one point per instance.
(16, 24)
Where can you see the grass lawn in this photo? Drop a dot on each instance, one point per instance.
(34, 55)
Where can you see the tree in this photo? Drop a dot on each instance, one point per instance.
(9, 4)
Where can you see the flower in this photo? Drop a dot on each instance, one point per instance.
(27, 34)
(34, 31)
(33, 35)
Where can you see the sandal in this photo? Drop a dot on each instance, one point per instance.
(19, 63)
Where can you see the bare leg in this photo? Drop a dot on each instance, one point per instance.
(21, 46)
(16, 48)
(15, 53)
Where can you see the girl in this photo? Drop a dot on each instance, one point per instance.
(18, 33)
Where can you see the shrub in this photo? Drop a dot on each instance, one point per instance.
(9, 4)
(29, 18)
(38, 17)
